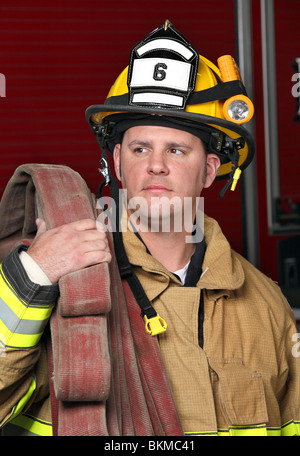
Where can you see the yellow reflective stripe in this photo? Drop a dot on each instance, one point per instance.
(30, 424)
(292, 428)
(247, 431)
(199, 434)
(254, 430)
(274, 432)
(22, 402)
(18, 341)
(21, 325)
(33, 425)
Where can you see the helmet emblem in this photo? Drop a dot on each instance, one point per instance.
(162, 70)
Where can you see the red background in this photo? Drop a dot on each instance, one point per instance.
(59, 57)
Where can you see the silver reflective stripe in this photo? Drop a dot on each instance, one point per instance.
(17, 325)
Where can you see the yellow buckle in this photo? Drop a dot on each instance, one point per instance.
(236, 177)
(155, 325)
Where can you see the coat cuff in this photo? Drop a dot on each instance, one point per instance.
(25, 307)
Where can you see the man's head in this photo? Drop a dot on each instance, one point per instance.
(168, 81)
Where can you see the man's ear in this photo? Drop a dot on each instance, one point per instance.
(213, 163)
(117, 160)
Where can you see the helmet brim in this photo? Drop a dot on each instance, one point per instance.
(230, 128)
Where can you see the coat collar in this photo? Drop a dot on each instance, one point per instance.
(221, 267)
(222, 270)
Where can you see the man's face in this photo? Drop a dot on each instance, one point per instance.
(159, 163)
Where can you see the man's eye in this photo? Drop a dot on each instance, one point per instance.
(140, 150)
(176, 152)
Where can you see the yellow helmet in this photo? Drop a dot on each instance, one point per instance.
(168, 83)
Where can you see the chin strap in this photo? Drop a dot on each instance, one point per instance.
(232, 151)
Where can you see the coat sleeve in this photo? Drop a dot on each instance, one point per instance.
(25, 308)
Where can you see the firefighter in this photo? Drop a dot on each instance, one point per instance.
(173, 122)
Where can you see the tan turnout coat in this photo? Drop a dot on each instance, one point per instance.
(245, 379)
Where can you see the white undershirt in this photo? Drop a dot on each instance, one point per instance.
(34, 272)
(181, 273)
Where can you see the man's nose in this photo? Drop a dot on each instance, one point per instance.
(157, 163)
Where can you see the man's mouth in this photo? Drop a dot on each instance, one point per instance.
(156, 188)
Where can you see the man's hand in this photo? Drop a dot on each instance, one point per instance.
(69, 248)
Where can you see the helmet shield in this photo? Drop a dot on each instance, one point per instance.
(162, 70)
